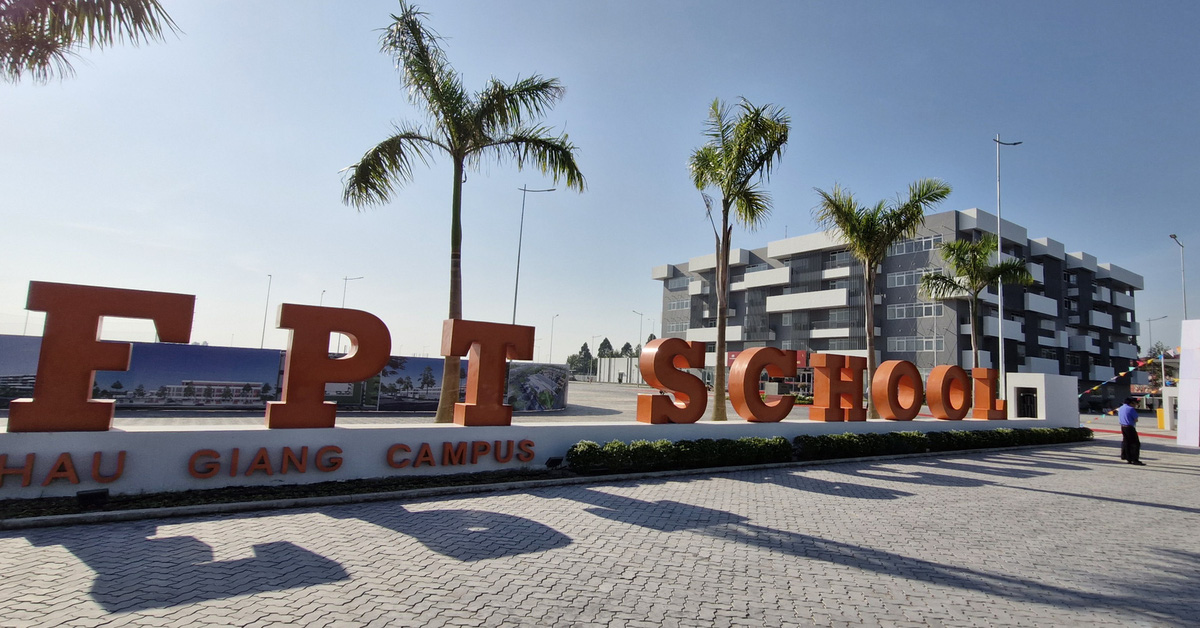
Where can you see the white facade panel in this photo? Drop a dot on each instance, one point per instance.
(820, 241)
(1039, 365)
(836, 332)
(1040, 304)
(709, 334)
(763, 278)
(1100, 319)
(1120, 299)
(819, 299)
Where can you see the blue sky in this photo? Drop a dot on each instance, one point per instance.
(203, 163)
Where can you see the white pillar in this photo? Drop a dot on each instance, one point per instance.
(1188, 432)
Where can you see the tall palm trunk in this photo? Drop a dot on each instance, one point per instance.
(722, 288)
(869, 310)
(451, 369)
(973, 305)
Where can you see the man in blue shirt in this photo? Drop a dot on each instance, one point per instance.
(1131, 446)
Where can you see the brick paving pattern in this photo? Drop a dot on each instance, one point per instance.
(1047, 537)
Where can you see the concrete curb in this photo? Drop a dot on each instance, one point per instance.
(421, 493)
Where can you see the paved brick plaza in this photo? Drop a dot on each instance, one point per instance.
(1053, 536)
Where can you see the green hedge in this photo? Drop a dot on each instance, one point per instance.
(642, 455)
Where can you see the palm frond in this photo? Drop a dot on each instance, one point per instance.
(39, 37)
(752, 205)
(939, 286)
(705, 167)
(387, 166)
(554, 156)
(501, 107)
(424, 69)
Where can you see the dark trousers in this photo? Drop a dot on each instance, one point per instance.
(1131, 445)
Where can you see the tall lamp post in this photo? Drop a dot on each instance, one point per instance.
(321, 301)
(1000, 285)
(1182, 277)
(520, 237)
(345, 282)
(641, 320)
(266, 308)
(552, 337)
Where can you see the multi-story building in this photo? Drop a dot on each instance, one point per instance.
(806, 293)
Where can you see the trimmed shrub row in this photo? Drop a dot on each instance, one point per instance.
(641, 455)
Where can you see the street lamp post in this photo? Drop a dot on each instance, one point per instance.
(345, 282)
(1000, 285)
(1182, 277)
(552, 337)
(520, 237)
(266, 308)
(641, 320)
(321, 301)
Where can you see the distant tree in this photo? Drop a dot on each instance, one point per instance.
(161, 393)
(627, 351)
(226, 393)
(394, 366)
(40, 37)
(1154, 368)
(189, 390)
(246, 388)
(140, 391)
(95, 391)
(427, 379)
(117, 385)
(208, 392)
(405, 383)
(651, 338)
(605, 350)
(266, 391)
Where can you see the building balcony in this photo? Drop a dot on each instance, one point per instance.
(1101, 373)
(1130, 329)
(737, 257)
(698, 287)
(1100, 293)
(1086, 344)
(985, 359)
(1012, 329)
(836, 273)
(1139, 378)
(1123, 350)
(1073, 291)
(1059, 339)
(818, 299)
(709, 334)
(1041, 304)
(763, 278)
(1039, 365)
(1038, 272)
(712, 312)
(830, 332)
(1100, 319)
(1122, 300)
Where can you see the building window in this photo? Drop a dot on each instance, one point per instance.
(757, 267)
(837, 259)
(675, 283)
(914, 344)
(901, 311)
(915, 245)
(681, 304)
(907, 278)
(1049, 354)
(675, 328)
(787, 319)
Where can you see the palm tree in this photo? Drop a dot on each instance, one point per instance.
(869, 231)
(971, 273)
(740, 153)
(39, 37)
(494, 123)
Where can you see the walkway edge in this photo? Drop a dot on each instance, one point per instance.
(421, 493)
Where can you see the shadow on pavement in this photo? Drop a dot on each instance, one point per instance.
(135, 572)
(801, 482)
(466, 535)
(1163, 599)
